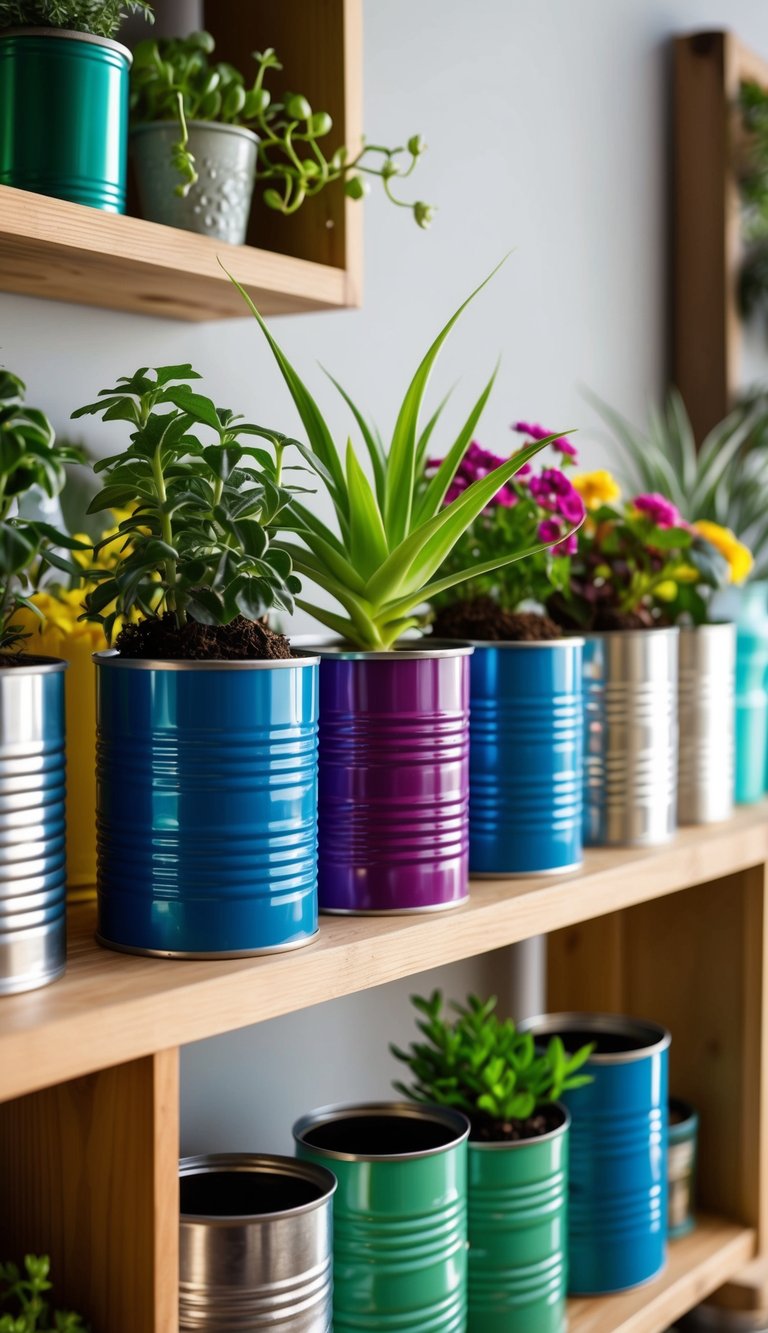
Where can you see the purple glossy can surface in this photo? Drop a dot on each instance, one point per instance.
(394, 780)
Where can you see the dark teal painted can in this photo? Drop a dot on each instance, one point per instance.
(518, 1234)
(399, 1214)
(64, 115)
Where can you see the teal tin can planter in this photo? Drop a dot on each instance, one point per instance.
(683, 1143)
(400, 1214)
(518, 1234)
(617, 1198)
(526, 758)
(64, 115)
(206, 805)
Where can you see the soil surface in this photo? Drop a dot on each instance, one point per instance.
(24, 660)
(482, 618)
(596, 618)
(543, 1121)
(240, 640)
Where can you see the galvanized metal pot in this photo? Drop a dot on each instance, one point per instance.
(526, 757)
(33, 870)
(394, 779)
(219, 203)
(518, 1234)
(256, 1245)
(64, 115)
(683, 1139)
(207, 805)
(631, 737)
(617, 1232)
(400, 1214)
(706, 682)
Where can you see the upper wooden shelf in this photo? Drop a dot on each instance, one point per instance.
(110, 1007)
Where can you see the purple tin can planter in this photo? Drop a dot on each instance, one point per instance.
(394, 779)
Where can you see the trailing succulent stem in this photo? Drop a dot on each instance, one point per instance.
(27, 1294)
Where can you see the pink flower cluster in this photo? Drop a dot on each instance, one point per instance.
(553, 491)
(536, 432)
(477, 463)
(659, 510)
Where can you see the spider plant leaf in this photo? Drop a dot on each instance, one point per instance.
(422, 443)
(438, 485)
(367, 538)
(298, 516)
(372, 441)
(325, 557)
(345, 628)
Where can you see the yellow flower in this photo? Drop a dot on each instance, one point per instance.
(596, 488)
(739, 556)
(666, 591)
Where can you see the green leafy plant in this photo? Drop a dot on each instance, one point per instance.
(27, 1293)
(752, 172)
(394, 533)
(197, 539)
(100, 17)
(176, 80)
(30, 456)
(481, 1065)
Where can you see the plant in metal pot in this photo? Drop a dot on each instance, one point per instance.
(518, 1153)
(59, 65)
(199, 682)
(193, 114)
(393, 775)
(28, 1293)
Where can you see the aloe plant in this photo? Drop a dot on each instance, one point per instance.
(395, 532)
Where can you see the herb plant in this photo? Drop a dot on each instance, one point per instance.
(395, 533)
(197, 537)
(176, 80)
(481, 1065)
(29, 456)
(100, 17)
(27, 1293)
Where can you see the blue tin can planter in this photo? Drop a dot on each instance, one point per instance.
(618, 1192)
(206, 805)
(751, 712)
(526, 758)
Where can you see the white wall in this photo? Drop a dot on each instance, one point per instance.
(546, 121)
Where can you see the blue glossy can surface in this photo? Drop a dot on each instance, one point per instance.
(751, 712)
(206, 805)
(617, 1232)
(526, 757)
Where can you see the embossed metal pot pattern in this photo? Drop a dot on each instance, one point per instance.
(219, 203)
(707, 668)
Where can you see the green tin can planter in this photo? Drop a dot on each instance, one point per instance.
(518, 1234)
(64, 115)
(399, 1216)
(682, 1154)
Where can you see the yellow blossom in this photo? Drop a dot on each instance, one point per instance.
(666, 591)
(596, 488)
(739, 556)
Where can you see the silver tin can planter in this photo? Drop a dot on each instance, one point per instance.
(683, 1141)
(206, 805)
(399, 1214)
(631, 737)
(33, 868)
(518, 1234)
(707, 673)
(256, 1245)
(219, 203)
(617, 1201)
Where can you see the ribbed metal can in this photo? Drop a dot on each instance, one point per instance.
(617, 1201)
(64, 115)
(526, 757)
(219, 203)
(518, 1234)
(206, 805)
(33, 866)
(394, 779)
(683, 1142)
(256, 1245)
(399, 1214)
(706, 683)
(631, 737)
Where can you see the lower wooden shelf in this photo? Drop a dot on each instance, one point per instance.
(698, 1264)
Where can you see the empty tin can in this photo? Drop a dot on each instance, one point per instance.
(400, 1214)
(33, 867)
(256, 1245)
(219, 203)
(707, 666)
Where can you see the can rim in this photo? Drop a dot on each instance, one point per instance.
(324, 1115)
(69, 34)
(110, 657)
(503, 1145)
(241, 131)
(44, 666)
(335, 650)
(652, 632)
(210, 1163)
(709, 626)
(567, 641)
(654, 1037)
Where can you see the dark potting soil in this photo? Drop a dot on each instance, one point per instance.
(597, 618)
(240, 640)
(379, 1135)
(244, 1193)
(483, 618)
(23, 660)
(544, 1121)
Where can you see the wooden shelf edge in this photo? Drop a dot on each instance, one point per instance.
(698, 1264)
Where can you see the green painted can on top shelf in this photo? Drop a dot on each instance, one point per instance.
(518, 1234)
(64, 115)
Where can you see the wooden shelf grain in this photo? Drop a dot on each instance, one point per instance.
(698, 1264)
(111, 1007)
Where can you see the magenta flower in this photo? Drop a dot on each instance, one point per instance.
(476, 463)
(569, 546)
(553, 491)
(549, 530)
(536, 432)
(659, 510)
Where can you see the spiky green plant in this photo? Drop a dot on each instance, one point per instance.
(395, 533)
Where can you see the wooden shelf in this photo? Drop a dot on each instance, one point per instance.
(698, 1264)
(111, 1007)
